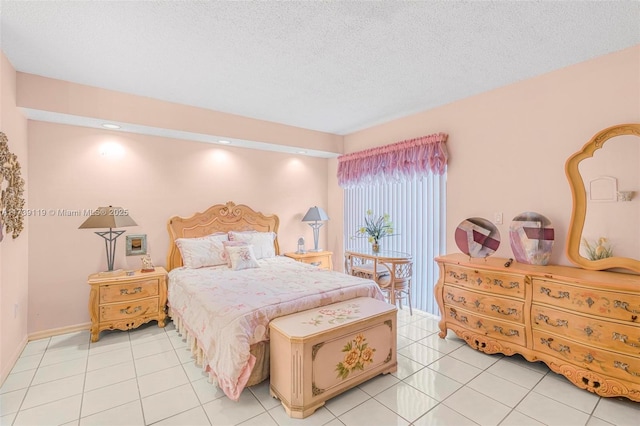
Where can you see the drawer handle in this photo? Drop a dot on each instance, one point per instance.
(510, 311)
(560, 348)
(588, 331)
(461, 299)
(455, 275)
(454, 314)
(625, 306)
(623, 338)
(559, 322)
(588, 358)
(561, 294)
(126, 291)
(512, 284)
(129, 312)
(508, 334)
(624, 366)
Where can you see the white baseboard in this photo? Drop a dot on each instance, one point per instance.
(58, 331)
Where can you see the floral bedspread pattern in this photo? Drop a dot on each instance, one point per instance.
(226, 311)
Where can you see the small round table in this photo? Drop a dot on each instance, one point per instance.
(391, 270)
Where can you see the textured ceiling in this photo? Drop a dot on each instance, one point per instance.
(332, 66)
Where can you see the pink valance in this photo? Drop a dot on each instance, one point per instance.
(413, 157)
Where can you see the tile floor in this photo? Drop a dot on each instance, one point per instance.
(146, 376)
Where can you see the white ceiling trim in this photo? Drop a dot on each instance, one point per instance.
(75, 120)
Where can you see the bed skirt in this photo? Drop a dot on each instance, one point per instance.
(260, 370)
(259, 350)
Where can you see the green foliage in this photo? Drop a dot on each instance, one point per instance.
(375, 227)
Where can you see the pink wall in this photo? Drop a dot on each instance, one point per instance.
(14, 288)
(154, 178)
(508, 147)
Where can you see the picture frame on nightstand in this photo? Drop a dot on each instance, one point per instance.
(136, 244)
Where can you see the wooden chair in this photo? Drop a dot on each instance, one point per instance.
(398, 281)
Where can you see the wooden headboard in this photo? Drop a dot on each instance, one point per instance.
(218, 218)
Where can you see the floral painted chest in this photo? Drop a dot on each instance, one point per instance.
(320, 353)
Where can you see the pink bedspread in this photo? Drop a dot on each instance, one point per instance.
(226, 311)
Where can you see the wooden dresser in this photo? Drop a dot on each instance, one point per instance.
(124, 302)
(583, 324)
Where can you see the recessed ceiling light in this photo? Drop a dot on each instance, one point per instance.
(224, 142)
(110, 126)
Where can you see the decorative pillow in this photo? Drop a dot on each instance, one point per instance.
(225, 253)
(262, 242)
(203, 251)
(242, 257)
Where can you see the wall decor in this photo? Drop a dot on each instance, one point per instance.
(11, 191)
(531, 236)
(136, 244)
(477, 237)
(603, 189)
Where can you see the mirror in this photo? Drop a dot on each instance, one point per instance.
(604, 177)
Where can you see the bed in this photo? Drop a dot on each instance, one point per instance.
(223, 310)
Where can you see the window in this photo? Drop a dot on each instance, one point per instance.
(416, 207)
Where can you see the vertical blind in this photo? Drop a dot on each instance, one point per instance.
(416, 206)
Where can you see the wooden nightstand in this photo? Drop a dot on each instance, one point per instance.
(321, 259)
(124, 302)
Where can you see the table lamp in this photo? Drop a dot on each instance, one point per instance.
(109, 217)
(315, 215)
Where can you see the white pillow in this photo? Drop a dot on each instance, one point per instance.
(242, 257)
(203, 251)
(262, 242)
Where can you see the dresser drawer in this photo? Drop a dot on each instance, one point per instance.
(611, 364)
(606, 334)
(136, 308)
(496, 282)
(322, 262)
(484, 303)
(129, 291)
(607, 304)
(499, 329)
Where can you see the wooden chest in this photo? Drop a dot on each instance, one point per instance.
(320, 353)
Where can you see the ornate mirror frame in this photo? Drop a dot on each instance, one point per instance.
(579, 212)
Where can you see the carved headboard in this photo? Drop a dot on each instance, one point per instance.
(219, 218)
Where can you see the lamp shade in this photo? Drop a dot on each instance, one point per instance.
(315, 214)
(108, 217)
